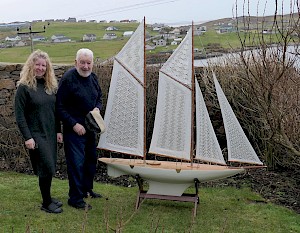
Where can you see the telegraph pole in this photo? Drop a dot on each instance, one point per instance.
(30, 33)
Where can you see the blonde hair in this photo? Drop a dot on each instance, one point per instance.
(27, 75)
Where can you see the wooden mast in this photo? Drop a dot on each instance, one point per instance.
(145, 108)
(193, 100)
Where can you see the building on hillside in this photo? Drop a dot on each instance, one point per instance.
(128, 33)
(156, 29)
(89, 37)
(174, 42)
(57, 36)
(168, 36)
(176, 32)
(160, 42)
(199, 30)
(20, 44)
(60, 38)
(225, 29)
(38, 38)
(157, 25)
(111, 28)
(73, 20)
(109, 36)
(16, 38)
(15, 25)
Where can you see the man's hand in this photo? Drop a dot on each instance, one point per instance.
(79, 129)
(30, 144)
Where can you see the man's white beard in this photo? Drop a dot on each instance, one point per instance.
(84, 73)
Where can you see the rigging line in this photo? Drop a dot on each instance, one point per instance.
(125, 67)
(181, 83)
(129, 7)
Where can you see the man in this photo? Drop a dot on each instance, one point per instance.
(78, 94)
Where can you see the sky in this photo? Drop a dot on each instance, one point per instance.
(155, 11)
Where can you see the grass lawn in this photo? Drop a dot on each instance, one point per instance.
(220, 210)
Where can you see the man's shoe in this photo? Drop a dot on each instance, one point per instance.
(52, 208)
(93, 195)
(57, 202)
(80, 205)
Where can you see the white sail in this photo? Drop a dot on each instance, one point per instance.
(207, 146)
(132, 55)
(124, 114)
(239, 147)
(172, 126)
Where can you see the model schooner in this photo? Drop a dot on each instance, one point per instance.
(173, 130)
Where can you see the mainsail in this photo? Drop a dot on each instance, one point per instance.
(172, 127)
(125, 122)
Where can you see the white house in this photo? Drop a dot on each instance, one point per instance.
(58, 36)
(199, 30)
(109, 36)
(157, 29)
(16, 38)
(38, 38)
(179, 39)
(111, 28)
(61, 40)
(127, 33)
(176, 31)
(160, 42)
(89, 37)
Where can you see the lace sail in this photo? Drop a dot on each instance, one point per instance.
(124, 114)
(239, 147)
(207, 146)
(172, 126)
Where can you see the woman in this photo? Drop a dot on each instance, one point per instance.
(35, 116)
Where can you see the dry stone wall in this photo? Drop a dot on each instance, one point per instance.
(9, 75)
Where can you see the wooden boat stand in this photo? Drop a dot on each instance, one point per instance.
(186, 197)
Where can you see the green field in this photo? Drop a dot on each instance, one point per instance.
(65, 52)
(103, 49)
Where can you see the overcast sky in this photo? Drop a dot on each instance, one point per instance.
(155, 11)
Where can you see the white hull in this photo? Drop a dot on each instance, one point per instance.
(168, 178)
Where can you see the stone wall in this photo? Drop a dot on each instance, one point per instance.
(9, 75)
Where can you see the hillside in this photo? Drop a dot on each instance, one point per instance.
(212, 41)
(103, 49)
(65, 52)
